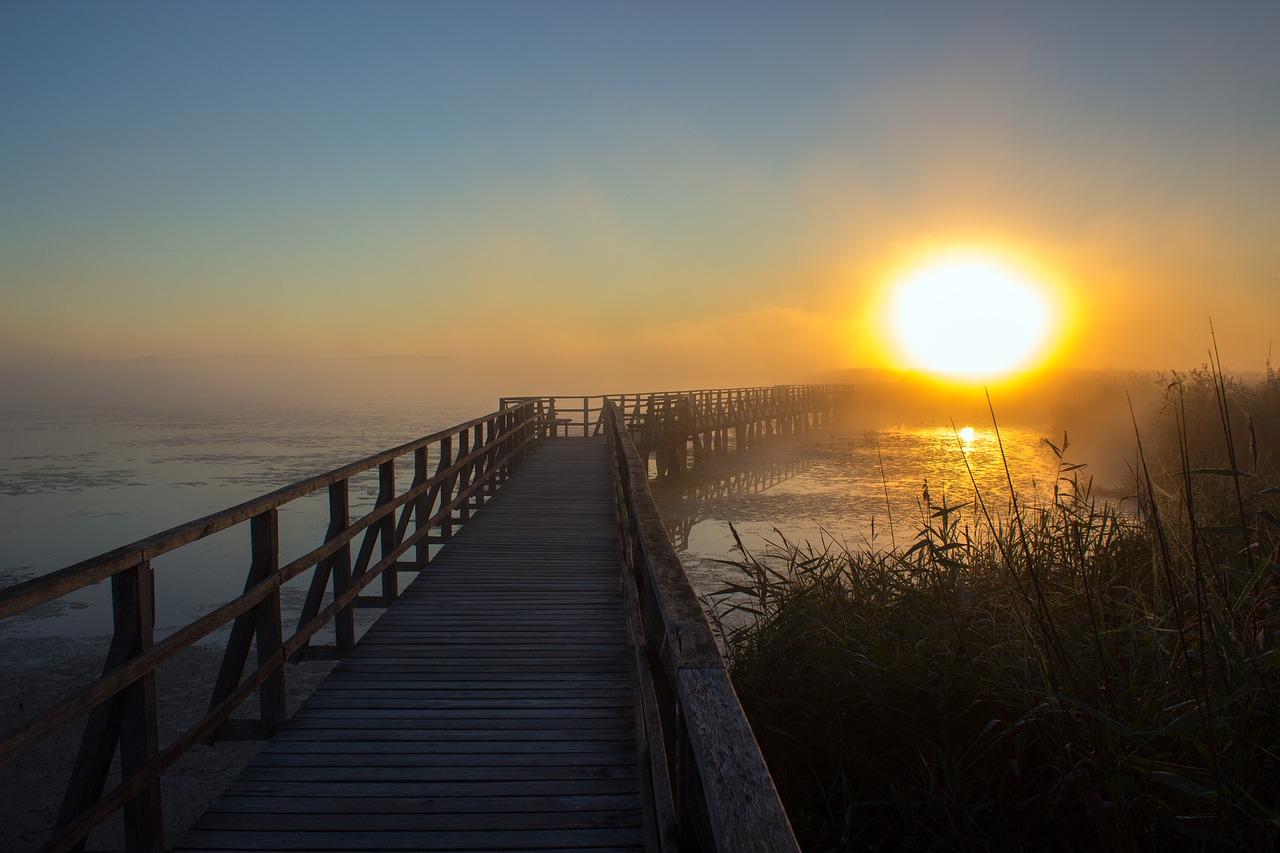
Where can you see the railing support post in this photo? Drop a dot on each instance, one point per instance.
(127, 719)
(344, 621)
(421, 508)
(139, 726)
(265, 535)
(446, 488)
(491, 445)
(463, 477)
(387, 528)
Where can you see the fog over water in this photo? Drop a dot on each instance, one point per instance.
(76, 484)
(860, 488)
(80, 478)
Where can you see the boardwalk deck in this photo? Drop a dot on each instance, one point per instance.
(490, 708)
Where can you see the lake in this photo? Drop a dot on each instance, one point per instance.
(73, 485)
(76, 484)
(853, 486)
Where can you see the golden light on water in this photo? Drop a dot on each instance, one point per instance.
(966, 435)
(969, 316)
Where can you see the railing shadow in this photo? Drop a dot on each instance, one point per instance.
(686, 502)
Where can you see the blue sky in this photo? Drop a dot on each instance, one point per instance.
(284, 178)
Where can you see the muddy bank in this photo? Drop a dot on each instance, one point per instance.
(39, 672)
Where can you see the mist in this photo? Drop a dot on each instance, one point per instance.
(336, 382)
(1097, 409)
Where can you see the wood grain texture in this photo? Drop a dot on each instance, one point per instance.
(490, 708)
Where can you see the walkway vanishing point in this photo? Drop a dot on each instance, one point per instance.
(547, 682)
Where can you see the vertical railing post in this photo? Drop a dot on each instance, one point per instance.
(264, 532)
(263, 556)
(127, 719)
(531, 432)
(133, 596)
(463, 477)
(421, 508)
(479, 466)
(446, 486)
(491, 448)
(516, 435)
(387, 528)
(506, 444)
(336, 566)
(344, 621)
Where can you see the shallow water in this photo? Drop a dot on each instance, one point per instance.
(74, 485)
(851, 486)
(77, 484)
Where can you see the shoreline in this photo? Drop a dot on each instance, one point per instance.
(43, 671)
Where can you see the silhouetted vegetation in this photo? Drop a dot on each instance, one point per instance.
(1055, 675)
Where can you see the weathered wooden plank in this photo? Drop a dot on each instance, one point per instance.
(572, 726)
(451, 666)
(746, 814)
(518, 635)
(560, 681)
(479, 716)
(375, 790)
(423, 822)
(348, 735)
(471, 773)
(533, 839)
(573, 805)
(454, 736)
(592, 758)
(497, 684)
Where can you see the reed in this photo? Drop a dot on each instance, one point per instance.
(1046, 674)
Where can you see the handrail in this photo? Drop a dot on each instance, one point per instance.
(28, 594)
(121, 704)
(707, 783)
(704, 421)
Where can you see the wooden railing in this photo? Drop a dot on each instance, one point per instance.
(470, 461)
(708, 422)
(706, 784)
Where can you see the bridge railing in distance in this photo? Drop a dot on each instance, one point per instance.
(706, 783)
(672, 426)
(583, 415)
(470, 461)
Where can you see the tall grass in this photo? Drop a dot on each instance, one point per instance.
(1051, 674)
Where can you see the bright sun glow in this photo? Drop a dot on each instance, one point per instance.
(969, 316)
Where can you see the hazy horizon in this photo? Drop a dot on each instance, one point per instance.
(577, 198)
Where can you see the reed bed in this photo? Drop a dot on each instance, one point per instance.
(1047, 674)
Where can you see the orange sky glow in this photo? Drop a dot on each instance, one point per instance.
(528, 188)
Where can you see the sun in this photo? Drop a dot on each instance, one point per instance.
(969, 316)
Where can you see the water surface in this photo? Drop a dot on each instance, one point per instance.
(856, 487)
(77, 484)
(73, 485)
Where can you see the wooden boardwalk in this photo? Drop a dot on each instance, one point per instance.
(549, 681)
(492, 707)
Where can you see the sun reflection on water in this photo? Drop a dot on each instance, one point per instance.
(864, 488)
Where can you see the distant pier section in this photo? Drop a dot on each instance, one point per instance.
(676, 429)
